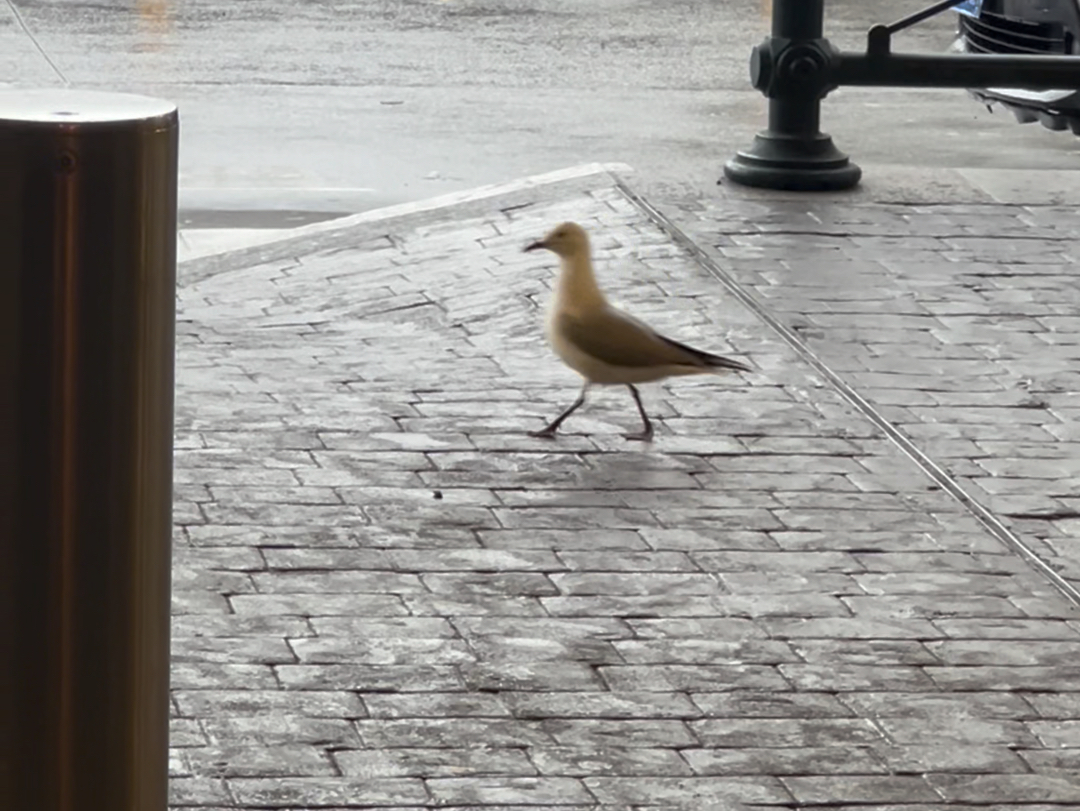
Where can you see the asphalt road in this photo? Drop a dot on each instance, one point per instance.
(343, 106)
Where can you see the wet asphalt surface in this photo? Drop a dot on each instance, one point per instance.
(300, 107)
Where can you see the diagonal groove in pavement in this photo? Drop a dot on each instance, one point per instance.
(385, 594)
(910, 448)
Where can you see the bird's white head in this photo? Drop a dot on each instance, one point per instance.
(566, 240)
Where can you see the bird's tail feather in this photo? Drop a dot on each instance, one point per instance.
(720, 362)
(708, 359)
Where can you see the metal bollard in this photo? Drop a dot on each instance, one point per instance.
(87, 322)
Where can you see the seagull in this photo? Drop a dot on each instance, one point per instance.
(603, 344)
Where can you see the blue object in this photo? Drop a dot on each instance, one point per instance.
(969, 8)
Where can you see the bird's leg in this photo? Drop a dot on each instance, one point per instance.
(549, 432)
(646, 433)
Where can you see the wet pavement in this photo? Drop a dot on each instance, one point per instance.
(339, 107)
(388, 595)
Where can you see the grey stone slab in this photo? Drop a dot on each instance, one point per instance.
(948, 583)
(318, 792)
(744, 733)
(843, 677)
(185, 732)
(558, 539)
(573, 518)
(495, 650)
(829, 759)
(198, 603)
(849, 628)
(764, 582)
(450, 732)
(855, 540)
(222, 676)
(539, 675)
(231, 626)
(270, 730)
(628, 561)
(635, 583)
(992, 677)
(229, 557)
(314, 604)
(473, 605)
(1002, 563)
(471, 560)
(620, 704)
(998, 788)
(198, 791)
(863, 651)
(243, 759)
(423, 705)
(706, 538)
(722, 794)
(321, 558)
(365, 627)
(776, 562)
(932, 607)
(1002, 628)
(692, 678)
(846, 789)
(381, 651)
(1063, 704)
(403, 678)
(267, 650)
(686, 628)
(209, 703)
(1017, 652)
(1044, 761)
(782, 604)
(509, 584)
(922, 758)
(934, 707)
(511, 791)
(734, 519)
(769, 704)
(556, 629)
(597, 761)
(478, 761)
(627, 732)
(703, 651)
(964, 730)
(1057, 734)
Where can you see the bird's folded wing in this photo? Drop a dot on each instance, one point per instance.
(619, 340)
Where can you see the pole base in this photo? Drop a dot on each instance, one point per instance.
(788, 163)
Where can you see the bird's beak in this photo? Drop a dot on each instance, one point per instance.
(535, 246)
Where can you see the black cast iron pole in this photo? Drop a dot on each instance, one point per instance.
(793, 153)
(87, 301)
(796, 67)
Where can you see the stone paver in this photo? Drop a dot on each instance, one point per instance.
(387, 595)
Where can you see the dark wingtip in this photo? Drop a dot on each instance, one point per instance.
(727, 363)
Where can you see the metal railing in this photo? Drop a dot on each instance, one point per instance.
(796, 67)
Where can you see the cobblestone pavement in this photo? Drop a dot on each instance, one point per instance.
(961, 323)
(388, 595)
